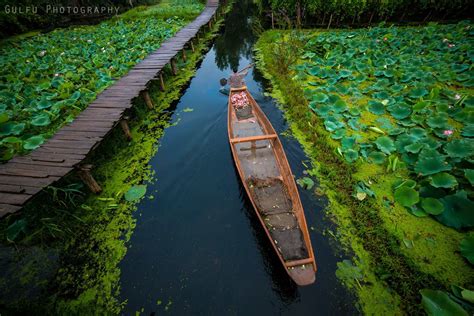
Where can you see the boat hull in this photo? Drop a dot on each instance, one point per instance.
(267, 178)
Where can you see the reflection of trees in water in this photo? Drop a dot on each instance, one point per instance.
(237, 37)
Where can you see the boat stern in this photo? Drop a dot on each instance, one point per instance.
(302, 275)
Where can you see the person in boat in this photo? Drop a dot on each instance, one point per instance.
(236, 79)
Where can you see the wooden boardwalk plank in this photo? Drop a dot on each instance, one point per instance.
(23, 177)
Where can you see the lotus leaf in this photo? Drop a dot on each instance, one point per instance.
(321, 109)
(354, 111)
(44, 104)
(457, 211)
(332, 124)
(382, 95)
(431, 165)
(306, 183)
(437, 121)
(443, 180)
(385, 144)
(15, 229)
(11, 128)
(467, 247)
(351, 155)
(33, 142)
(438, 303)
(377, 157)
(459, 67)
(469, 174)
(338, 134)
(468, 131)
(432, 206)
(349, 143)
(384, 123)
(354, 124)
(376, 107)
(400, 111)
(463, 77)
(135, 193)
(320, 97)
(344, 73)
(314, 71)
(41, 120)
(418, 93)
(339, 106)
(406, 196)
(459, 148)
(414, 148)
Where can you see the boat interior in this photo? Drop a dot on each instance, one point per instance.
(255, 147)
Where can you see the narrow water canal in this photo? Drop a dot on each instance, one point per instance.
(197, 248)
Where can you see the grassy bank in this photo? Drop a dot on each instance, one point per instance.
(80, 238)
(47, 79)
(327, 100)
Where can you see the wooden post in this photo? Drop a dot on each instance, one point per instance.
(148, 101)
(173, 67)
(330, 20)
(126, 130)
(209, 24)
(162, 82)
(184, 54)
(192, 45)
(84, 173)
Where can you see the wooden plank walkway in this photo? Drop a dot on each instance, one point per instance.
(23, 177)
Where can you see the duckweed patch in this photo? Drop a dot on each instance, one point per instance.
(377, 229)
(91, 231)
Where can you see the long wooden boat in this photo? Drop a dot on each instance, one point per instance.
(268, 180)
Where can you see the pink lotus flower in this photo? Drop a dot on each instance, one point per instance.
(451, 45)
(239, 100)
(447, 132)
(385, 38)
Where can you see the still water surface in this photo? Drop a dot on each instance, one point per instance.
(197, 248)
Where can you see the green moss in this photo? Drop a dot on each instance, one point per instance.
(373, 229)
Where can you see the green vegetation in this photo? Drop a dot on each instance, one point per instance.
(23, 15)
(383, 113)
(82, 236)
(47, 79)
(336, 12)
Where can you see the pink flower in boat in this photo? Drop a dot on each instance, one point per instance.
(239, 100)
(448, 132)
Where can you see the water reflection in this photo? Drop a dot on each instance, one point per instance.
(237, 37)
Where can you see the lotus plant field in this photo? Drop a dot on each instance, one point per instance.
(402, 98)
(47, 79)
(387, 115)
